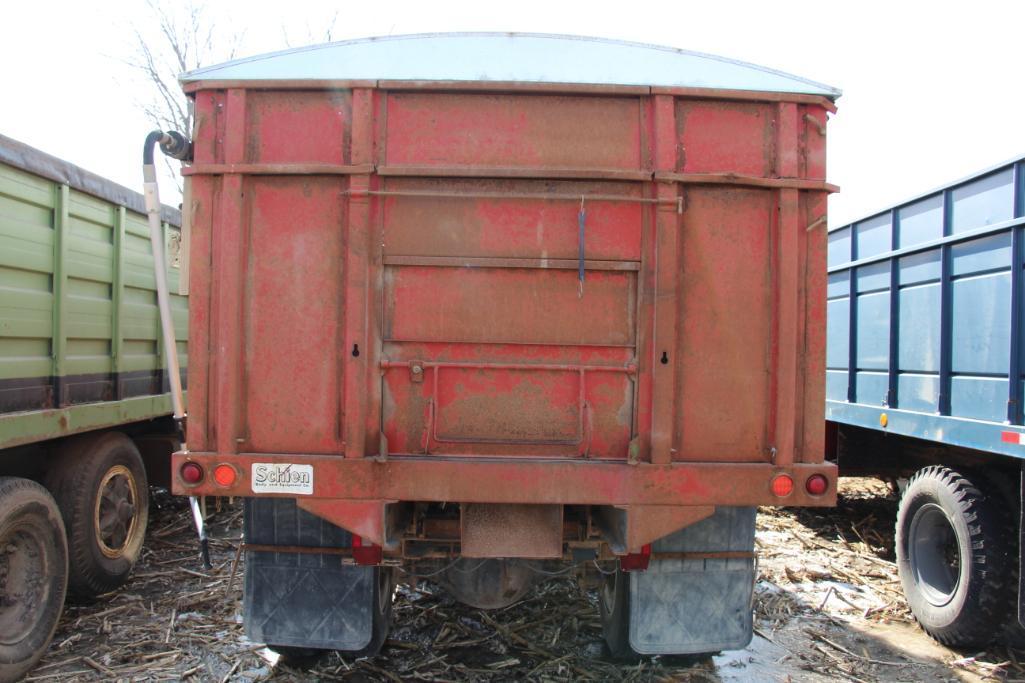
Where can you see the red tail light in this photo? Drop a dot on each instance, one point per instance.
(224, 475)
(816, 485)
(782, 485)
(191, 473)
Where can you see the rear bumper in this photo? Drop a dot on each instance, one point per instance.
(520, 480)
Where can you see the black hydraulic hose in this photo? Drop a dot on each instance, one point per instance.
(147, 149)
(172, 143)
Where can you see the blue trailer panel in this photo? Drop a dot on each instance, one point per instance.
(925, 316)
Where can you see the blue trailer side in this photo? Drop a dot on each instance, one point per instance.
(925, 381)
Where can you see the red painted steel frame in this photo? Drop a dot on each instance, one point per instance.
(391, 270)
(454, 479)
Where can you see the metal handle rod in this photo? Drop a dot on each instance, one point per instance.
(156, 238)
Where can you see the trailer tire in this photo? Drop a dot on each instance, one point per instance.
(384, 588)
(952, 564)
(99, 483)
(33, 567)
(614, 609)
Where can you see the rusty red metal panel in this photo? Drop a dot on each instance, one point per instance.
(489, 130)
(510, 218)
(726, 313)
(294, 276)
(724, 136)
(298, 126)
(502, 305)
(813, 360)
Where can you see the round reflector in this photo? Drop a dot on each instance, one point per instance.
(816, 484)
(782, 486)
(224, 475)
(191, 473)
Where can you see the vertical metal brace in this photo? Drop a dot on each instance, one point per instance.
(1014, 367)
(59, 345)
(894, 367)
(852, 321)
(581, 220)
(117, 339)
(946, 308)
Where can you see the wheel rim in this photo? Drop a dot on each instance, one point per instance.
(23, 578)
(934, 554)
(115, 517)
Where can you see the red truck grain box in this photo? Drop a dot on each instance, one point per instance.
(484, 306)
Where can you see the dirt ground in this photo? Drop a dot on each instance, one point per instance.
(828, 607)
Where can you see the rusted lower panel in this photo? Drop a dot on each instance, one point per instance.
(530, 531)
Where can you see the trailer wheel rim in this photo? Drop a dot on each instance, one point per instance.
(934, 554)
(115, 517)
(23, 581)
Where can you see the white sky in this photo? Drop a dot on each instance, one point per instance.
(931, 89)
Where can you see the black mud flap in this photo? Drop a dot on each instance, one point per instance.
(303, 599)
(690, 606)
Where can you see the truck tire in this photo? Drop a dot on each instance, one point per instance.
(33, 574)
(951, 558)
(99, 483)
(614, 609)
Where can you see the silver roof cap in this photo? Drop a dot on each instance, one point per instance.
(509, 57)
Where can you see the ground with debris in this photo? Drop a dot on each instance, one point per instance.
(828, 606)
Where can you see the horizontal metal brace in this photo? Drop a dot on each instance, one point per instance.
(630, 368)
(501, 262)
(277, 169)
(544, 196)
